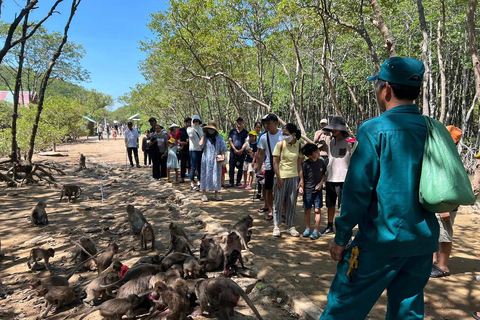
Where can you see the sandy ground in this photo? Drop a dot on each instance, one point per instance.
(304, 263)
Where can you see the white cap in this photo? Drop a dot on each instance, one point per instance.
(324, 121)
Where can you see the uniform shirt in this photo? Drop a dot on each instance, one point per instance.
(238, 138)
(132, 138)
(380, 193)
(262, 144)
(289, 154)
(313, 172)
(194, 136)
(339, 153)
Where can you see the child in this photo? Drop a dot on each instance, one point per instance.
(172, 160)
(313, 176)
(146, 149)
(247, 165)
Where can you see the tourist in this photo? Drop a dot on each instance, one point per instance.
(266, 144)
(339, 152)
(114, 132)
(396, 236)
(107, 131)
(322, 139)
(172, 160)
(153, 124)
(146, 149)
(183, 152)
(158, 147)
(172, 132)
(195, 133)
(314, 169)
(131, 142)
(237, 139)
(214, 148)
(100, 131)
(287, 163)
(248, 172)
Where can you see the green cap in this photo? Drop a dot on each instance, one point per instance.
(406, 71)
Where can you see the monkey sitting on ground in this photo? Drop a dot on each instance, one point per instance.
(81, 162)
(142, 270)
(241, 229)
(174, 258)
(85, 249)
(37, 254)
(70, 191)
(136, 219)
(177, 231)
(94, 291)
(105, 259)
(178, 244)
(56, 296)
(221, 294)
(116, 308)
(164, 296)
(232, 251)
(39, 215)
(191, 268)
(211, 255)
(146, 235)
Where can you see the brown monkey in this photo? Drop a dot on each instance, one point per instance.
(105, 259)
(179, 244)
(232, 251)
(156, 259)
(37, 254)
(85, 249)
(39, 215)
(241, 229)
(116, 308)
(56, 296)
(70, 191)
(142, 270)
(211, 255)
(191, 268)
(174, 258)
(93, 289)
(1, 253)
(136, 219)
(81, 162)
(146, 235)
(176, 230)
(221, 294)
(168, 298)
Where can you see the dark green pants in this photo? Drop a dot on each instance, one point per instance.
(403, 277)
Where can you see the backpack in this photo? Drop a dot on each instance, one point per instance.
(444, 184)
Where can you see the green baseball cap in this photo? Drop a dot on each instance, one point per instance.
(406, 71)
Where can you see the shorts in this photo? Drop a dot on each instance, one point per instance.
(269, 178)
(333, 191)
(446, 227)
(224, 169)
(247, 167)
(311, 199)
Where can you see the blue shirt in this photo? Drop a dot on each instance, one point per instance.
(380, 192)
(238, 138)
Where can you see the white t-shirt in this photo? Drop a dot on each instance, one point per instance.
(262, 144)
(132, 138)
(339, 153)
(194, 136)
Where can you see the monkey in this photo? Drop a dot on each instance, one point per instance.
(81, 162)
(141, 270)
(232, 251)
(147, 234)
(37, 254)
(174, 258)
(191, 268)
(39, 215)
(221, 294)
(140, 285)
(116, 308)
(105, 259)
(70, 191)
(1, 253)
(176, 230)
(85, 249)
(156, 259)
(109, 275)
(211, 255)
(56, 295)
(241, 228)
(179, 244)
(175, 271)
(136, 219)
(166, 297)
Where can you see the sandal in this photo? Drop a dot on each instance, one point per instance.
(438, 273)
(262, 210)
(475, 316)
(268, 217)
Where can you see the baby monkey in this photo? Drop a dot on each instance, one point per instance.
(37, 254)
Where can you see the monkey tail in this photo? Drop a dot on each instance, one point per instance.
(79, 193)
(86, 313)
(245, 297)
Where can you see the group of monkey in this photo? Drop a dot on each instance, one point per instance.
(171, 286)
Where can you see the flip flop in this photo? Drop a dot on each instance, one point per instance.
(438, 273)
(474, 315)
(262, 210)
(268, 217)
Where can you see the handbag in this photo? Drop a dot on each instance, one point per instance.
(444, 183)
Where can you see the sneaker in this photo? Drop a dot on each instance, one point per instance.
(293, 232)
(238, 184)
(131, 166)
(175, 181)
(327, 230)
(248, 188)
(306, 233)
(258, 196)
(217, 197)
(231, 185)
(242, 186)
(166, 179)
(139, 166)
(276, 232)
(315, 235)
(204, 198)
(192, 188)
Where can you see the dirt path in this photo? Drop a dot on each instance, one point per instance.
(304, 263)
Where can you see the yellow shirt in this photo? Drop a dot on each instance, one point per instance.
(289, 155)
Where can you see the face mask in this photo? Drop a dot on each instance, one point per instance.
(288, 139)
(211, 131)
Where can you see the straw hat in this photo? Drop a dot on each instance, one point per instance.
(211, 125)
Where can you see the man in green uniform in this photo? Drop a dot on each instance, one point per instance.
(396, 236)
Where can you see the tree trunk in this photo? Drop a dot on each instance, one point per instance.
(426, 77)
(383, 29)
(472, 44)
(441, 66)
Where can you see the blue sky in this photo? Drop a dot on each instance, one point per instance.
(110, 32)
